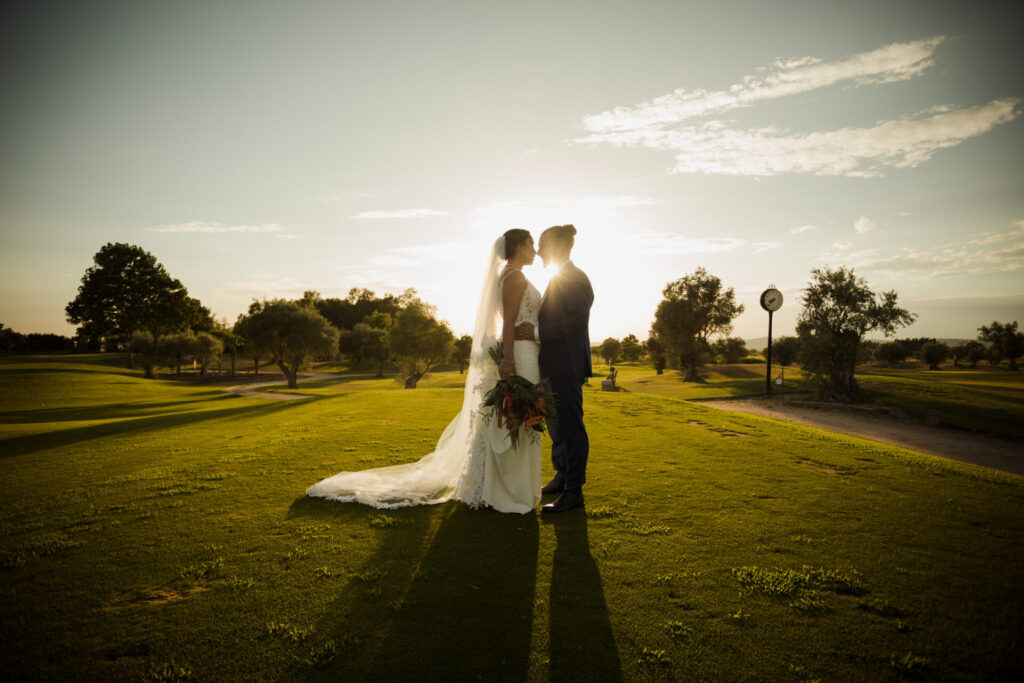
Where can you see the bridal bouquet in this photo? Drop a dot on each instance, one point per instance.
(518, 402)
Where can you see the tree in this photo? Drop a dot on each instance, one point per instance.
(970, 351)
(785, 350)
(1005, 339)
(892, 352)
(290, 334)
(128, 290)
(933, 353)
(144, 346)
(463, 347)
(230, 341)
(694, 308)
(731, 349)
(656, 353)
(838, 309)
(611, 349)
(418, 341)
(205, 349)
(631, 348)
(172, 349)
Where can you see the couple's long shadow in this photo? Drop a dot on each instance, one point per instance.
(582, 646)
(456, 603)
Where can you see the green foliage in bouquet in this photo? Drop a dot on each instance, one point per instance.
(518, 402)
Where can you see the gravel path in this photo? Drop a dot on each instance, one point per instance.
(252, 390)
(880, 424)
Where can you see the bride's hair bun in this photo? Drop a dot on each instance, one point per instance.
(514, 238)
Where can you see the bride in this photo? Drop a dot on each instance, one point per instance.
(474, 460)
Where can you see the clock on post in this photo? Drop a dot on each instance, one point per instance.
(771, 301)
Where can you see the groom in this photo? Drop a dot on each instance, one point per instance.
(565, 361)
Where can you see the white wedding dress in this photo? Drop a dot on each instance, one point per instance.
(473, 460)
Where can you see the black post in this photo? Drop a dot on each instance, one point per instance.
(768, 377)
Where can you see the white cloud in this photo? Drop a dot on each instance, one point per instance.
(955, 259)
(765, 246)
(589, 203)
(803, 228)
(842, 246)
(401, 213)
(673, 244)
(209, 227)
(713, 147)
(290, 236)
(864, 224)
(895, 62)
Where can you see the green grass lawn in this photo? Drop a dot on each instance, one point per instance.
(159, 531)
(986, 399)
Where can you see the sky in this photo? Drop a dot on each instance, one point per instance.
(261, 149)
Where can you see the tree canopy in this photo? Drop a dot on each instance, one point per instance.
(694, 308)
(1006, 340)
(127, 290)
(289, 333)
(418, 341)
(838, 309)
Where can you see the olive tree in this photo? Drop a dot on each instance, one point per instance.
(1005, 339)
(611, 349)
(656, 353)
(838, 310)
(290, 334)
(694, 308)
(418, 341)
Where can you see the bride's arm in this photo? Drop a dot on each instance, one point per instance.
(511, 294)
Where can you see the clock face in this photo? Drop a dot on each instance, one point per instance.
(771, 299)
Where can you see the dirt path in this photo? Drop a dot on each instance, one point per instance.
(880, 424)
(252, 390)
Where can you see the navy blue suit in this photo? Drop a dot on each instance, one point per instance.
(563, 327)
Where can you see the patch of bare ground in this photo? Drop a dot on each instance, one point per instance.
(154, 598)
(884, 423)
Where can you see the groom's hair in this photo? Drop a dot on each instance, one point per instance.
(514, 238)
(564, 233)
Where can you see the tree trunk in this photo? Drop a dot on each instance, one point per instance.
(410, 382)
(691, 374)
(290, 375)
(234, 355)
(1013, 363)
(256, 366)
(661, 371)
(148, 371)
(131, 359)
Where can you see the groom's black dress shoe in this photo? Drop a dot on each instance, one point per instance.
(556, 485)
(567, 501)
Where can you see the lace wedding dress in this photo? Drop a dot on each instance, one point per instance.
(473, 460)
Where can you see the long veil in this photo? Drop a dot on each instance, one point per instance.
(442, 474)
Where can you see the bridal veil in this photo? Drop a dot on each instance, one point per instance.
(440, 475)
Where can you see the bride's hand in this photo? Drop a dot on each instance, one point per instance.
(507, 368)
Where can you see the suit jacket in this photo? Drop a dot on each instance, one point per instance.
(563, 323)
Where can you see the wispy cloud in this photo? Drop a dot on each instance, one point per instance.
(289, 236)
(842, 246)
(401, 214)
(803, 228)
(895, 62)
(582, 204)
(713, 147)
(674, 244)
(765, 246)
(208, 227)
(954, 259)
(864, 224)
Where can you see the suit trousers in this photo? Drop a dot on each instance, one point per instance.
(570, 444)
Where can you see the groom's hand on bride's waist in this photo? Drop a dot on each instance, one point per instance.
(525, 331)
